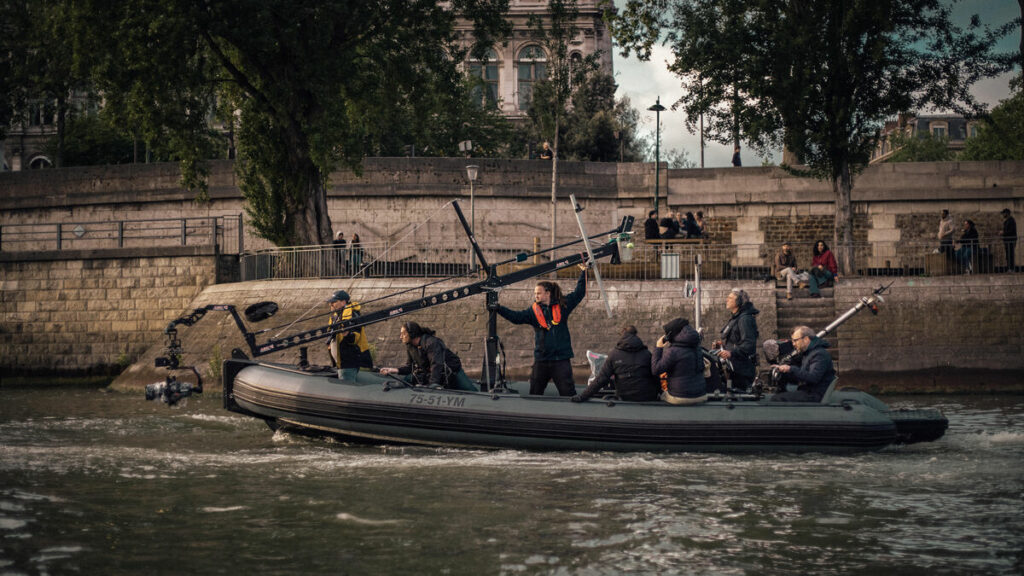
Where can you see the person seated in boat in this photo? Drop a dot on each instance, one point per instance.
(429, 361)
(628, 368)
(552, 343)
(738, 343)
(349, 350)
(678, 361)
(815, 372)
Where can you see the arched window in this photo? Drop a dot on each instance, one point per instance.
(40, 162)
(485, 93)
(532, 66)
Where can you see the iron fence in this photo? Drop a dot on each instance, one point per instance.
(644, 261)
(225, 232)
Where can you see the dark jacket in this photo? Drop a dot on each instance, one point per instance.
(554, 343)
(969, 237)
(683, 363)
(431, 362)
(671, 226)
(651, 229)
(629, 368)
(739, 337)
(1009, 230)
(815, 372)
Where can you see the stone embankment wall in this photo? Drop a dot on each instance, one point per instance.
(405, 198)
(944, 324)
(76, 312)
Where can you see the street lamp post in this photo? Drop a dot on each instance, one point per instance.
(471, 171)
(657, 108)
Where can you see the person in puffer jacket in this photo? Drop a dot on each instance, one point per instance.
(678, 362)
(628, 367)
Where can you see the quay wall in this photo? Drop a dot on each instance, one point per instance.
(75, 313)
(895, 205)
(955, 326)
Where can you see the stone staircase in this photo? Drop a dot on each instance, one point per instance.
(803, 310)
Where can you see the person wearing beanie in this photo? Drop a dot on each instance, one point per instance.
(677, 360)
(429, 362)
(350, 350)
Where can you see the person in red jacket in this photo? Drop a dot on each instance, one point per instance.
(823, 269)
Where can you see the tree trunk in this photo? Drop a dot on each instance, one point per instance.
(842, 186)
(312, 224)
(58, 162)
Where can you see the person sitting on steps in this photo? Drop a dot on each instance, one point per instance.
(785, 268)
(823, 269)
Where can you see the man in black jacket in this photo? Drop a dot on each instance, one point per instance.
(429, 361)
(1009, 238)
(739, 339)
(651, 226)
(815, 372)
(628, 367)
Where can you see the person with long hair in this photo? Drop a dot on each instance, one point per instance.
(824, 268)
(429, 362)
(552, 343)
(355, 255)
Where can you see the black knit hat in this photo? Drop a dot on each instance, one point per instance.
(674, 327)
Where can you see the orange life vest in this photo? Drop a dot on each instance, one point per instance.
(556, 315)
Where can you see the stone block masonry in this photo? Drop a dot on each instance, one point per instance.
(926, 323)
(78, 314)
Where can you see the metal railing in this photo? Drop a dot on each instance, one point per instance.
(673, 260)
(225, 232)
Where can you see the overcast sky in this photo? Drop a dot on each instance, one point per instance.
(644, 82)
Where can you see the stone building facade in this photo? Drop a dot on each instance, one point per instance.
(510, 69)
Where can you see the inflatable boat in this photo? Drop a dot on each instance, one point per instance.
(374, 408)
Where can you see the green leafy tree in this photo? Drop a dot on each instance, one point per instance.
(817, 76)
(1002, 135)
(555, 30)
(38, 63)
(89, 140)
(920, 148)
(316, 84)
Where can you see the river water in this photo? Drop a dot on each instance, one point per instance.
(93, 482)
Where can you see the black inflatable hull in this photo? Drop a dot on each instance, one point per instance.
(377, 409)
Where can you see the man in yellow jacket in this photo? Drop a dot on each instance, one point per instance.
(349, 350)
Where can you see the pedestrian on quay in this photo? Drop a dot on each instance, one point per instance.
(1009, 236)
(945, 234)
(785, 268)
(824, 269)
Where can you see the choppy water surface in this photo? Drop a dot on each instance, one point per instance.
(102, 483)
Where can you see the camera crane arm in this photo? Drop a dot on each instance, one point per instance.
(488, 285)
